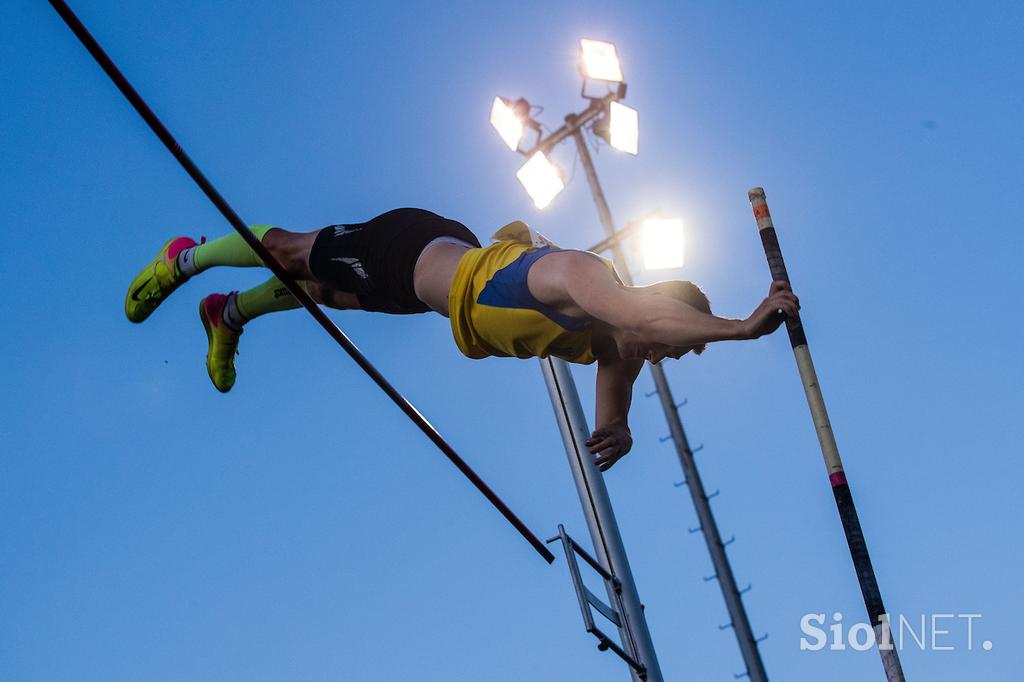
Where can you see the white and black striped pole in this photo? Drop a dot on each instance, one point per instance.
(829, 450)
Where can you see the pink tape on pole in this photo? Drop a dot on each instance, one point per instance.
(837, 479)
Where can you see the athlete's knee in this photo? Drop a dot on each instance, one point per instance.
(275, 240)
(314, 290)
(289, 249)
(331, 297)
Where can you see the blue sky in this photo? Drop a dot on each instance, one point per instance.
(300, 528)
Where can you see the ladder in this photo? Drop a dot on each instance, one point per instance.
(588, 599)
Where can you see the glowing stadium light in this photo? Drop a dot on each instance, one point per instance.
(663, 243)
(541, 179)
(600, 61)
(507, 122)
(624, 128)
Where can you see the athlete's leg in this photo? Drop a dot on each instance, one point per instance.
(181, 258)
(331, 297)
(290, 249)
(272, 296)
(224, 315)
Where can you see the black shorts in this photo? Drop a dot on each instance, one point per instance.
(375, 260)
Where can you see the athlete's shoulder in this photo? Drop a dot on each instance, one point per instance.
(520, 232)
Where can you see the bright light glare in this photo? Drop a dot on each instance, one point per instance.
(600, 60)
(663, 243)
(505, 121)
(541, 179)
(624, 128)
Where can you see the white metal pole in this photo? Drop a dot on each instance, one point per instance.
(597, 509)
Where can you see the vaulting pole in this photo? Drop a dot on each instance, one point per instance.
(300, 294)
(829, 450)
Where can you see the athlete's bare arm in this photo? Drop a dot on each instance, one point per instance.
(588, 285)
(578, 284)
(611, 438)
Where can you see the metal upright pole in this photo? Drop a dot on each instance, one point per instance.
(597, 508)
(719, 558)
(829, 450)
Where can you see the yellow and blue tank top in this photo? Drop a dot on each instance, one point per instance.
(492, 311)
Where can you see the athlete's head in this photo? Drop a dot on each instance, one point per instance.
(632, 345)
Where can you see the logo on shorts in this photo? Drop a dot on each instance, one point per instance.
(355, 264)
(342, 230)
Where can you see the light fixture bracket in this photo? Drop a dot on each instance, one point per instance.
(521, 107)
(618, 94)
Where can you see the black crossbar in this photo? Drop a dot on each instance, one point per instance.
(300, 294)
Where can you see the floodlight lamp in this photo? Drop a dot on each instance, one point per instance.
(507, 118)
(541, 179)
(600, 61)
(663, 243)
(623, 128)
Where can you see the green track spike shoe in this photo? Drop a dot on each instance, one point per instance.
(222, 342)
(156, 281)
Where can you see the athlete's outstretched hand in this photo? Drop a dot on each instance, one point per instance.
(767, 317)
(610, 443)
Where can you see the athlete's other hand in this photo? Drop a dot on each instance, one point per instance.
(773, 311)
(610, 443)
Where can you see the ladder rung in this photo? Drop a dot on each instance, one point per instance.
(606, 611)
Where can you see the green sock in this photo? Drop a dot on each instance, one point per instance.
(228, 250)
(270, 297)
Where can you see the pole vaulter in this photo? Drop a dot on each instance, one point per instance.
(298, 292)
(829, 449)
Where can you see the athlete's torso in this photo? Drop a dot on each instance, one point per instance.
(492, 311)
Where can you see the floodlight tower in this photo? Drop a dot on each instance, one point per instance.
(618, 124)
